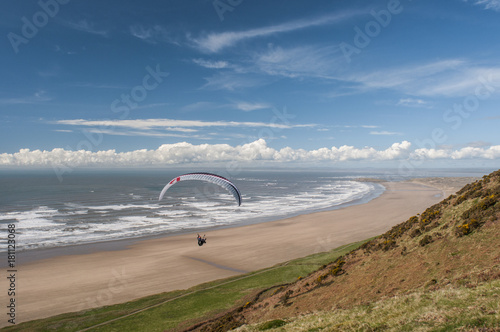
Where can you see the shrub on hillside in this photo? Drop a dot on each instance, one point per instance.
(425, 240)
(271, 324)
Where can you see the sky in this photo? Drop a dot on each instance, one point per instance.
(345, 83)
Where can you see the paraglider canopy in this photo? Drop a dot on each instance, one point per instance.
(208, 177)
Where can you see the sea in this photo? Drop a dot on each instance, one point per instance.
(95, 206)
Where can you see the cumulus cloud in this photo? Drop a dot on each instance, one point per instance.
(179, 153)
(493, 152)
(182, 153)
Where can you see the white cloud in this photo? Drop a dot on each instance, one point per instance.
(258, 150)
(211, 64)
(493, 152)
(386, 133)
(450, 78)
(150, 124)
(357, 126)
(405, 77)
(489, 4)
(412, 102)
(215, 42)
(142, 32)
(247, 106)
(273, 63)
(303, 61)
(170, 133)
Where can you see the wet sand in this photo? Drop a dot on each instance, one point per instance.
(75, 282)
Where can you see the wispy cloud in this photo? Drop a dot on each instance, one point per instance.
(385, 133)
(299, 62)
(215, 42)
(405, 77)
(479, 144)
(412, 102)
(168, 124)
(211, 64)
(86, 26)
(488, 4)
(274, 63)
(357, 126)
(172, 132)
(248, 106)
(449, 78)
(152, 34)
(40, 96)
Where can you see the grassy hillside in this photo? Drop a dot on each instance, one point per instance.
(439, 270)
(176, 311)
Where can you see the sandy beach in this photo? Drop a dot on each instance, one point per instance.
(80, 281)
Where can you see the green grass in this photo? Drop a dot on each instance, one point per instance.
(183, 308)
(447, 309)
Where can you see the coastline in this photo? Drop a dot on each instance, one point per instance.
(145, 267)
(33, 255)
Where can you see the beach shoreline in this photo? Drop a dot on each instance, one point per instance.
(33, 255)
(75, 282)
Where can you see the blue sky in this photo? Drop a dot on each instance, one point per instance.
(327, 82)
